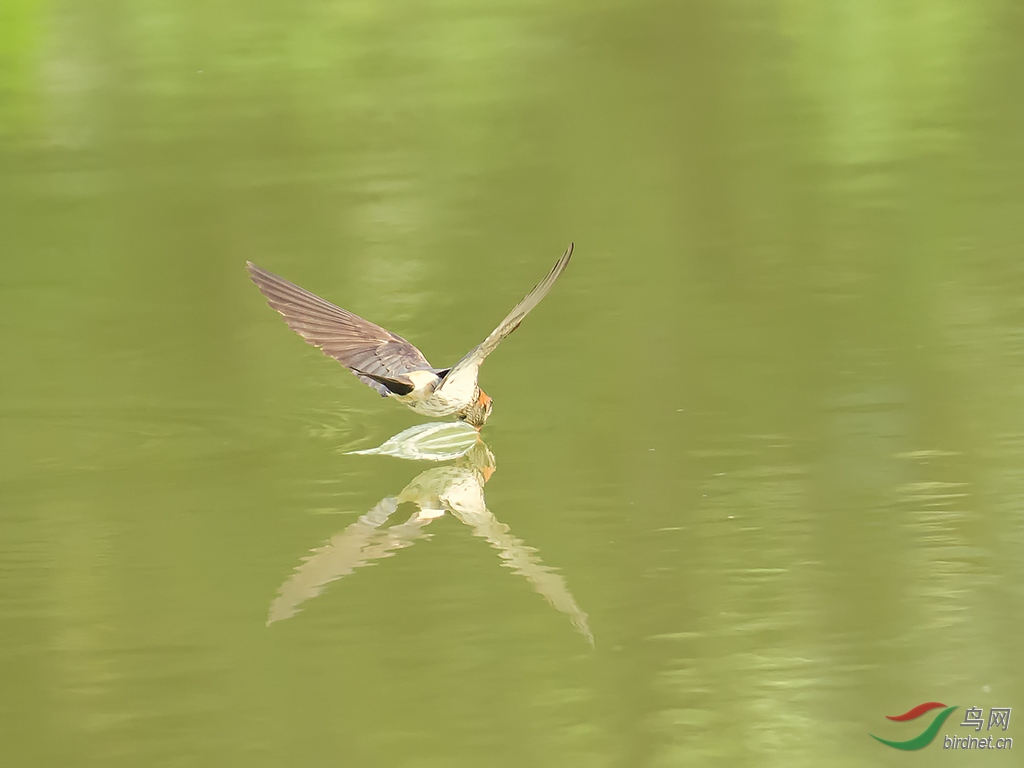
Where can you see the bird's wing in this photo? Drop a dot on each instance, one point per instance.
(360, 544)
(467, 504)
(476, 356)
(356, 343)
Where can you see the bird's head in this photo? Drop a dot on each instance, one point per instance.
(478, 411)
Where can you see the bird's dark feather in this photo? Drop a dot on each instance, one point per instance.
(402, 386)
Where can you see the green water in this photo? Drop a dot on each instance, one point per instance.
(763, 443)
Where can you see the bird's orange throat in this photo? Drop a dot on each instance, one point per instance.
(483, 403)
(478, 410)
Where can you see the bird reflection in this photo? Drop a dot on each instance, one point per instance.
(457, 489)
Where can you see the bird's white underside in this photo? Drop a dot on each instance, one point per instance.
(456, 392)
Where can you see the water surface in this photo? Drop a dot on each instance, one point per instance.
(763, 443)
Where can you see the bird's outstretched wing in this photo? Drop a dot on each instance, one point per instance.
(476, 356)
(356, 343)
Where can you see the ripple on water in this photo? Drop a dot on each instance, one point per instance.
(65, 439)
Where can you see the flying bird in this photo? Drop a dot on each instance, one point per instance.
(387, 362)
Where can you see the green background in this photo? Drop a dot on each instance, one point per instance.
(769, 425)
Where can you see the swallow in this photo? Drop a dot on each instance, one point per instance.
(388, 363)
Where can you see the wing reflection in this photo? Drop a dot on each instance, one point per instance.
(457, 489)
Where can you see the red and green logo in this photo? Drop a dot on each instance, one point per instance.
(926, 736)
